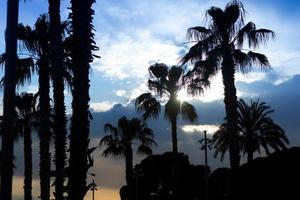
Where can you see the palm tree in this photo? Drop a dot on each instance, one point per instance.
(36, 41)
(220, 48)
(26, 121)
(25, 68)
(81, 54)
(57, 65)
(119, 143)
(166, 82)
(9, 100)
(255, 128)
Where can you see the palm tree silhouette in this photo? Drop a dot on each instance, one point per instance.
(166, 82)
(25, 68)
(7, 146)
(82, 45)
(58, 69)
(220, 48)
(255, 128)
(36, 41)
(121, 139)
(26, 121)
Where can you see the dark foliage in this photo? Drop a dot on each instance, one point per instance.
(167, 176)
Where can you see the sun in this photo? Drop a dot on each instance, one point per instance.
(183, 96)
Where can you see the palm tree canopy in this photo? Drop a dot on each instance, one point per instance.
(256, 129)
(26, 110)
(166, 82)
(225, 35)
(126, 132)
(25, 68)
(147, 104)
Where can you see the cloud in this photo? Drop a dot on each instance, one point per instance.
(128, 56)
(101, 106)
(121, 93)
(199, 129)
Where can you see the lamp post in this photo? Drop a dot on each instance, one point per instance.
(206, 171)
(204, 147)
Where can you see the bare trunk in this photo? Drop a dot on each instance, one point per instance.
(230, 100)
(248, 147)
(174, 134)
(60, 132)
(9, 100)
(44, 129)
(27, 164)
(81, 53)
(129, 170)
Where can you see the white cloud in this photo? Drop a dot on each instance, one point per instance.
(129, 57)
(101, 106)
(199, 129)
(121, 93)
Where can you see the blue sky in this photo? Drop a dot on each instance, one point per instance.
(132, 34)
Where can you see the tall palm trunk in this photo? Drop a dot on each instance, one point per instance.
(44, 128)
(230, 100)
(248, 148)
(9, 99)
(250, 156)
(56, 58)
(129, 169)
(81, 53)
(174, 134)
(27, 164)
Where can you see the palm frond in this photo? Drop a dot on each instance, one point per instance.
(158, 70)
(259, 36)
(243, 33)
(260, 60)
(147, 104)
(188, 112)
(234, 14)
(174, 74)
(144, 149)
(110, 128)
(197, 33)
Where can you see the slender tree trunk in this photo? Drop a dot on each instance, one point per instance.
(230, 101)
(250, 157)
(129, 169)
(248, 145)
(174, 134)
(9, 99)
(81, 53)
(60, 119)
(44, 128)
(27, 164)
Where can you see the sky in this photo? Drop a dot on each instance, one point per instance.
(133, 34)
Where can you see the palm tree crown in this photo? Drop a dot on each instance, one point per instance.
(166, 82)
(124, 134)
(256, 129)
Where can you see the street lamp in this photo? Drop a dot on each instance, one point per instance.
(204, 147)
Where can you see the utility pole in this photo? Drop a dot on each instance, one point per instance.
(93, 190)
(204, 147)
(206, 166)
